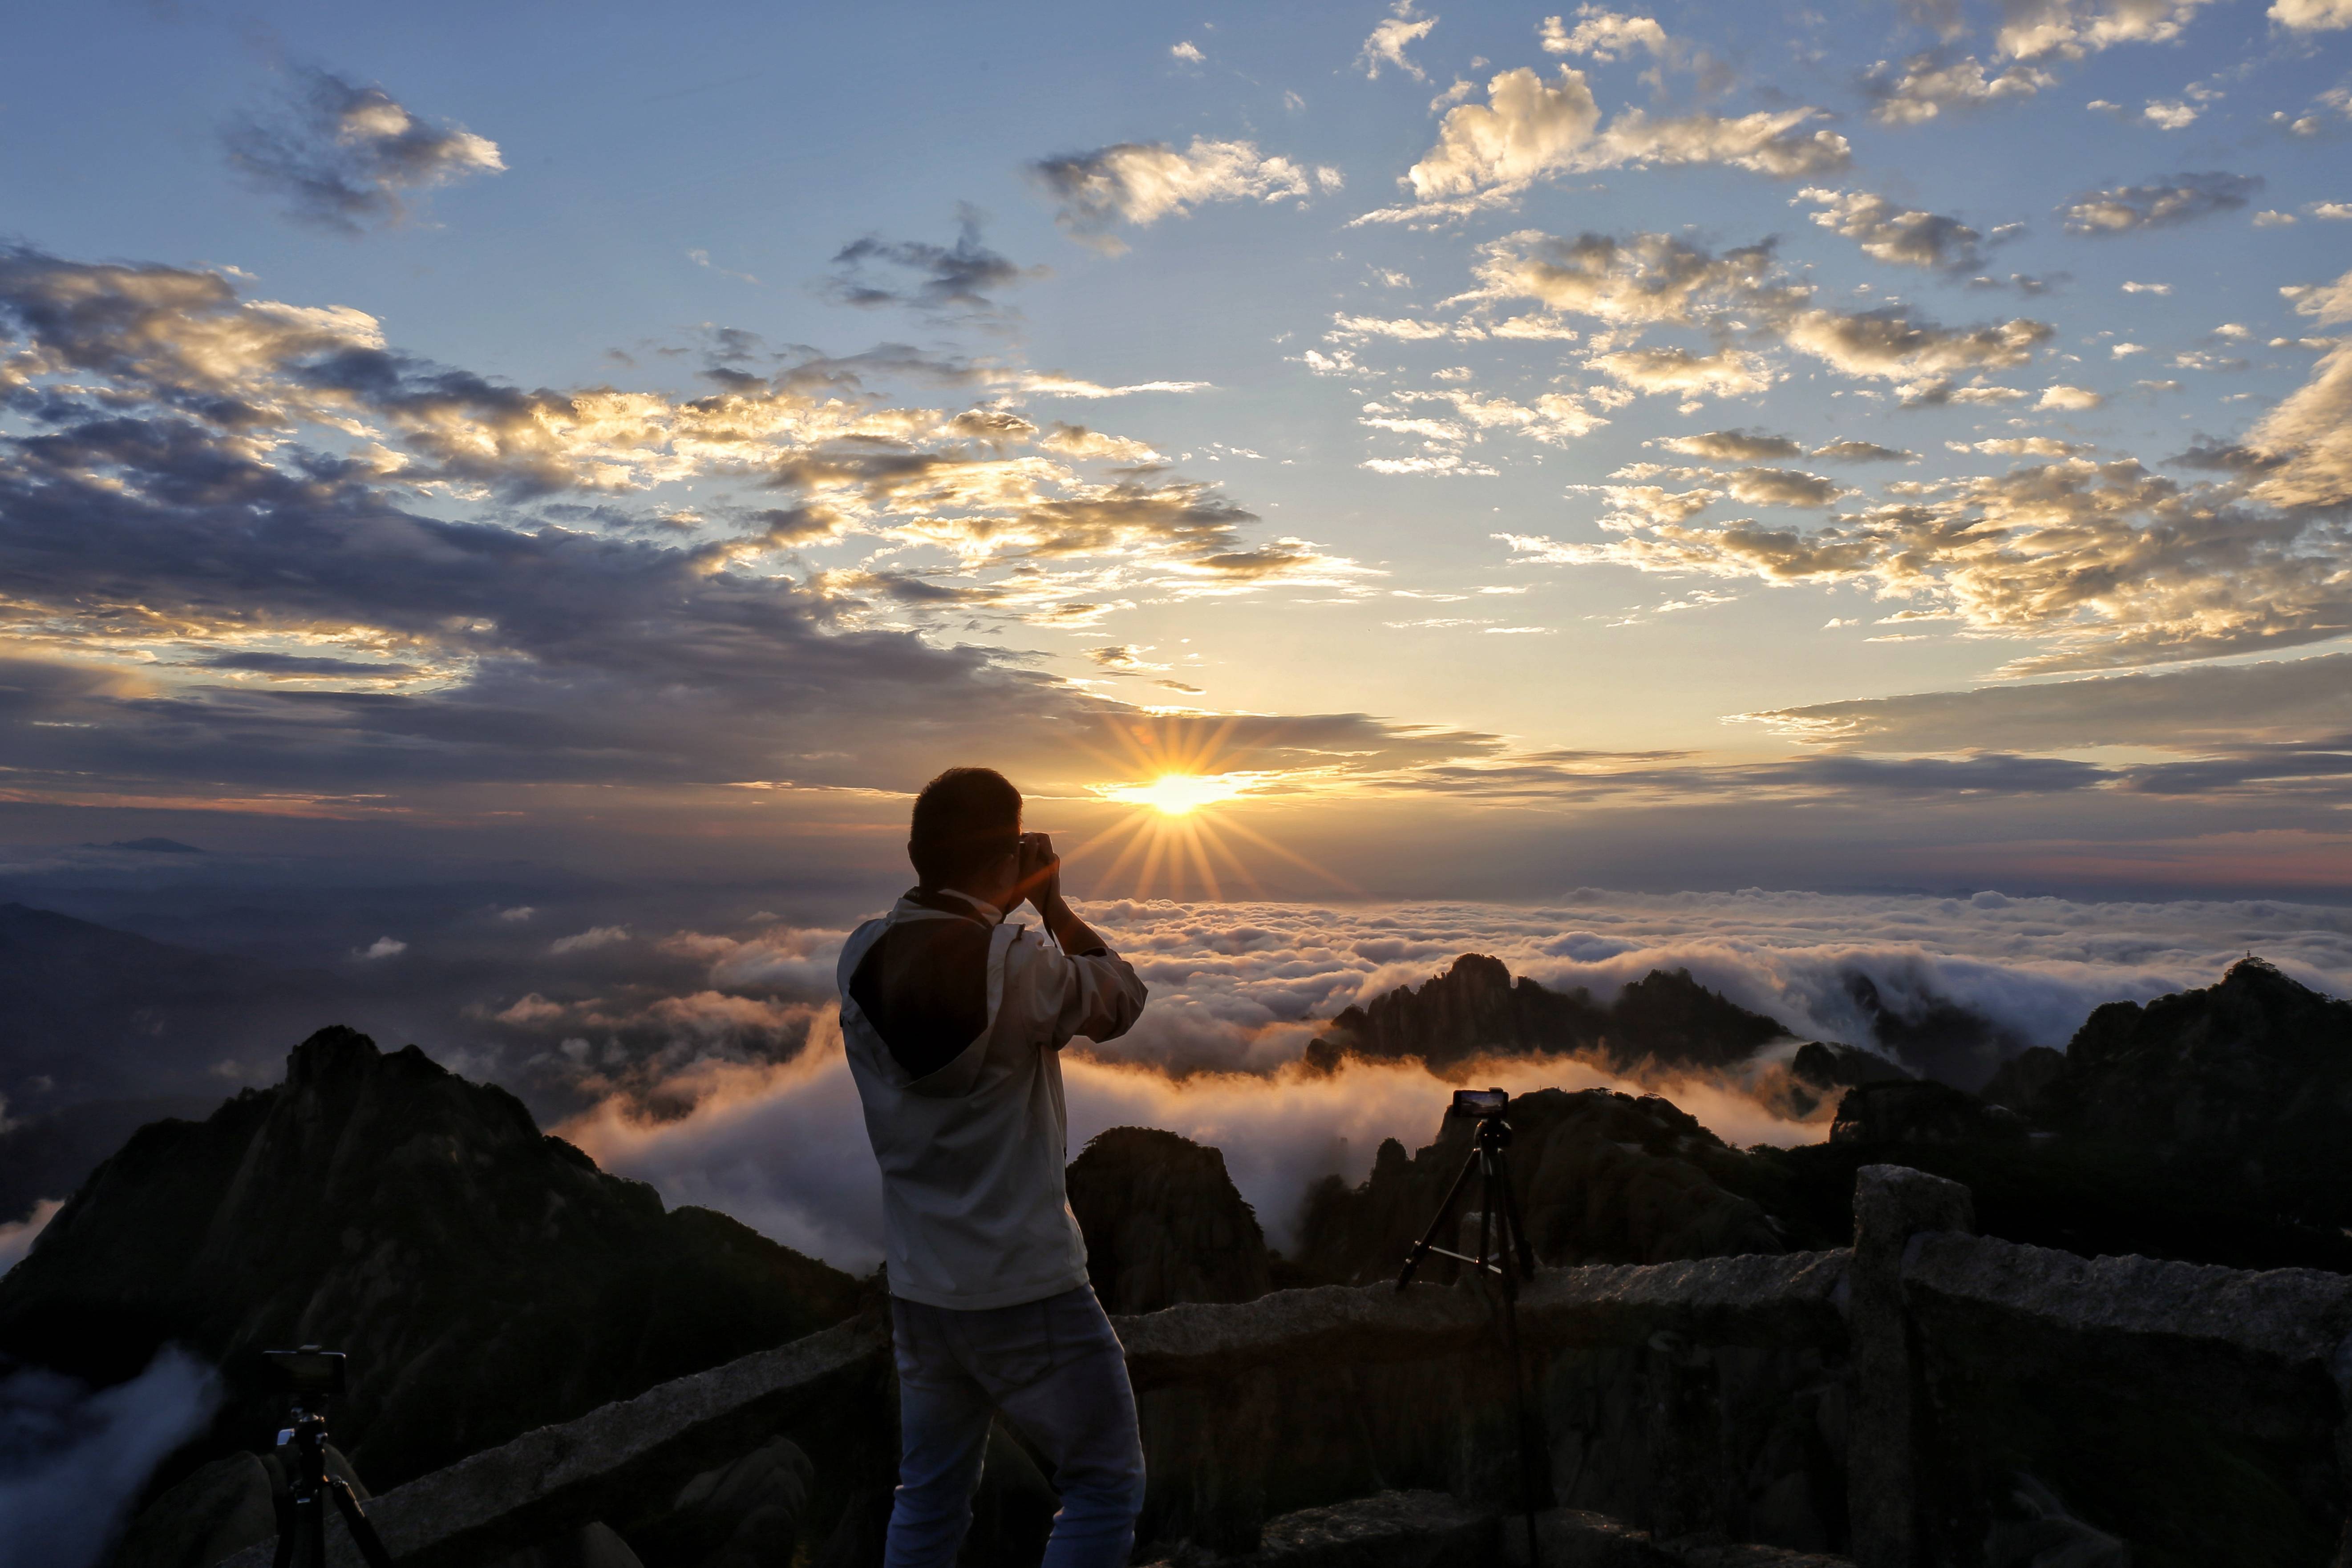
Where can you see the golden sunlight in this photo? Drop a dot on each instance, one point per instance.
(1177, 793)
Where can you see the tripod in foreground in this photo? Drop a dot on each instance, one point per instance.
(1504, 1253)
(316, 1376)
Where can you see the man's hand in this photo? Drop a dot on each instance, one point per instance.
(1041, 883)
(1041, 873)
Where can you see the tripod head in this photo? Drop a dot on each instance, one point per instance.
(1485, 1108)
(314, 1379)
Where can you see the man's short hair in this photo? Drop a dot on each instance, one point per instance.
(966, 820)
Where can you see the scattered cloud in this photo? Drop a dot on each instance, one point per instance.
(1923, 87)
(2069, 399)
(1606, 36)
(348, 157)
(1140, 182)
(1187, 51)
(1397, 32)
(1891, 234)
(2071, 30)
(1730, 446)
(962, 277)
(2312, 15)
(1530, 128)
(1861, 452)
(2175, 199)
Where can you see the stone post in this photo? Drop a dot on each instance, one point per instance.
(1891, 1205)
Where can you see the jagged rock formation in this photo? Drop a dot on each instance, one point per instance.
(1163, 1223)
(2213, 1125)
(1603, 1177)
(1476, 1009)
(484, 1278)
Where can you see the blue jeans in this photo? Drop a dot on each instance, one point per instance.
(1057, 1371)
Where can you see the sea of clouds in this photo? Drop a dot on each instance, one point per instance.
(1238, 989)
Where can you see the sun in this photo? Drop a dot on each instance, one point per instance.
(1177, 793)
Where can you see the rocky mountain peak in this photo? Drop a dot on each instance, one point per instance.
(485, 1277)
(1475, 1008)
(1163, 1222)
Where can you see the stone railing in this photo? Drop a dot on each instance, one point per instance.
(2267, 1354)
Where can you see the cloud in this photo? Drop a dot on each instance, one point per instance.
(347, 157)
(1730, 446)
(1781, 488)
(1606, 36)
(1642, 280)
(2099, 564)
(1526, 129)
(74, 1461)
(2312, 15)
(1238, 990)
(1890, 344)
(1923, 87)
(1725, 372)
(1529, 128)
(2177, 199)
(2070, 29)
(2069, 399)
(1387, 45)
(943, 279)
(382, 947)
(1891, 233)
(206, 490)
(1140, 182)
(1187, 51)
(1861, 452)
(2199, 710)
(17, 1236)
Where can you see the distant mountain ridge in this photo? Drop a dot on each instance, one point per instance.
(89, 1012)
(1476, 1008)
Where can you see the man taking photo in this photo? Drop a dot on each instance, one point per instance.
(953, 1017)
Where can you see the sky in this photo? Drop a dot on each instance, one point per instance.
(1484, 450)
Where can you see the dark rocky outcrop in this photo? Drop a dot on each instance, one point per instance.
(1601, 1177)
(2248, 1081)
(484, 1278)
(1924, 1111)
(1476, 1009)
(1826, 1066)
(2213, 1125)
(2023, 1078)
(1163, 1223)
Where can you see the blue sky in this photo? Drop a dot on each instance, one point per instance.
(1422, 294)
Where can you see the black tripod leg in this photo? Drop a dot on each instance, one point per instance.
(371, 1545)
(1518, 1243)
(1429, 1237)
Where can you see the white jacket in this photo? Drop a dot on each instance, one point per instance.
(973, 1207)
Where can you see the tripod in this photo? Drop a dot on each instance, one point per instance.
(302, 1503)
(1503, 1252)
